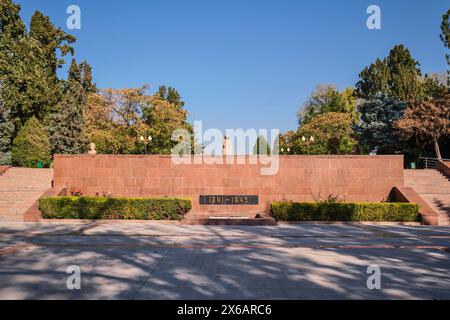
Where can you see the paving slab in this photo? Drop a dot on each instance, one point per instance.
(170, 261)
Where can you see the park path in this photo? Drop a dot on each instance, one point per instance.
(173, 261)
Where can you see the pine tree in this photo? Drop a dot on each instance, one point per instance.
(88, 85)
(171, 95)
(397, 76)
(376, 128)
(66, 126)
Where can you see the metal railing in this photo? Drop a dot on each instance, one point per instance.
(431, 163)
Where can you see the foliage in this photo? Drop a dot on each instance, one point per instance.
(397, 76)
(336, 211)
(114, 208)
(376, 128)
(327, 99)
(6, 132)
(66, 125)
(285, 143)
(170, 95)
(426, 121)
(163, 118)
(261, 146)
(445, 37)
(329, 133)
(31, 145)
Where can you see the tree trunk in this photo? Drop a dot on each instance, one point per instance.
(437, 149)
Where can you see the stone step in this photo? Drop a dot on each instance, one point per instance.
(434, 188)
(233, 222)
(19, 189)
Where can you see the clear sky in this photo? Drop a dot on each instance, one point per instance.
(244, 63)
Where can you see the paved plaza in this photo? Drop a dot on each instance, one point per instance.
(170, 261)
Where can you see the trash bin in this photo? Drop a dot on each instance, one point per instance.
(413, 165)
(40, 164)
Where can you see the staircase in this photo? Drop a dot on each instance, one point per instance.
(19, 189)
(434, 188)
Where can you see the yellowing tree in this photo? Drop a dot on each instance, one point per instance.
(427, 121)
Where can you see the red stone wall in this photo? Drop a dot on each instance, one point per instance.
(300, 178)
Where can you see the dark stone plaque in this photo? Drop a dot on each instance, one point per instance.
(236, 200)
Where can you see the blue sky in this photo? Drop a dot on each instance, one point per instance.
(244, 63)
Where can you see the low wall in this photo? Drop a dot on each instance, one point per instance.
(300, 178)
(407, 194)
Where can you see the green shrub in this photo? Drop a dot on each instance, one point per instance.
(114, 208)
(32, 145)
(377, 212)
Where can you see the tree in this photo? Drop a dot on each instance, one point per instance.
(376, 128)
(163, 118)
(329, 133)
(55, 44)
(28, 64)
(426, 121)
(261, 146)
(445, 37)
(103, 129)
(10, 23)
(327, 99)
(397, 75)
(171, 95)
(31, 145)
(88, 85)
(6, 135)
(285, 143)
(66, 125)
(434, 86)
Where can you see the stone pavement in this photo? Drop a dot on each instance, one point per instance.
(170, 261)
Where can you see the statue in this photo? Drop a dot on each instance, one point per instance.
(92, 150)
(227, 149)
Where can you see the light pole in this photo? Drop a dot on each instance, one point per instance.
(145, 141)
(309, 141)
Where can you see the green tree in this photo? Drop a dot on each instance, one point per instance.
(6, 135)
(445, 37)
(31, 145)
(87, 82)
(327, 99)
(398, 76)
(163, 118)
(66, 126)
(261, 146)
(376, 128)
(10, 23)
(329, 133)
(171, 95)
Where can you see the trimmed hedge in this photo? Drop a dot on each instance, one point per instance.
(94, 208)
(321, 211)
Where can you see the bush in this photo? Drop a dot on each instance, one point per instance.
(94, 208)
(322, 211)
(31, 145)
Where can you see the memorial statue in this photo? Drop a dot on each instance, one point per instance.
(92, 150)
(227, 149)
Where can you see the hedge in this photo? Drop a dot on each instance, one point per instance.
(321, 211)
(94, 208)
